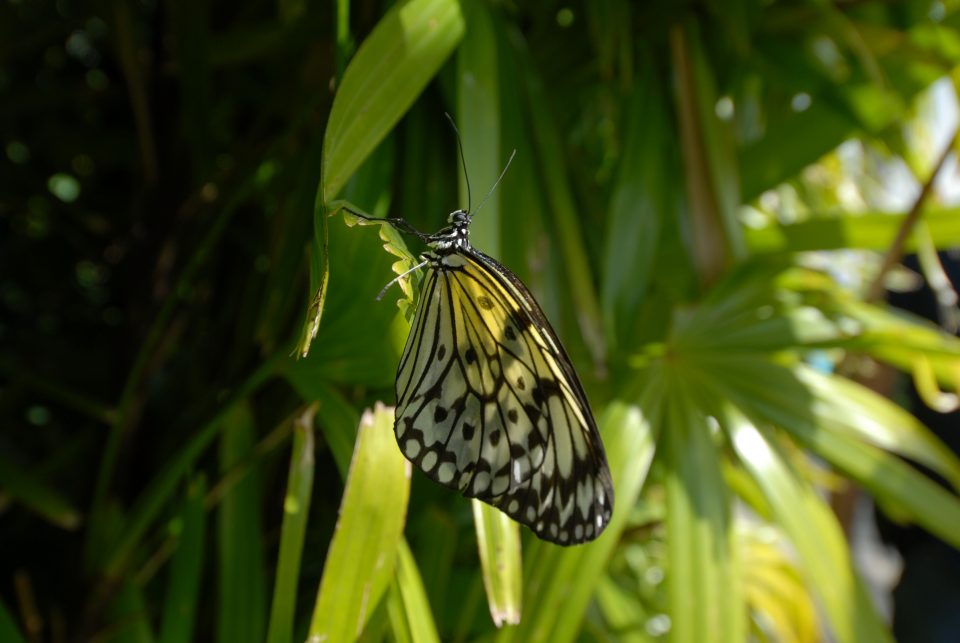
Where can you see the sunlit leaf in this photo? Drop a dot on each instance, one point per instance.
(360, 562)
(389, 70)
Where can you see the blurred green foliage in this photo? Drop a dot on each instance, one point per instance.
(171, 184)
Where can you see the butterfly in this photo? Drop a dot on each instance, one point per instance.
(488, 402)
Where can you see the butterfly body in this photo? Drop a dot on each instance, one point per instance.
(488, 402)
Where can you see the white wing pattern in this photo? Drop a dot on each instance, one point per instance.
(488, 403)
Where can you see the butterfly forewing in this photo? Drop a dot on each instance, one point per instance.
(488, 403)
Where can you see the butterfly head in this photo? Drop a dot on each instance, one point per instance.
(456, 235)
(459, 218)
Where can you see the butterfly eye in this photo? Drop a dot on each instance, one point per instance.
(458, 216)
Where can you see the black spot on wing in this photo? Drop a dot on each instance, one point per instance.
(534, 440)
(521, 320)
(533, 412)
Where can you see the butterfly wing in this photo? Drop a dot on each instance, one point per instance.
(488, 403)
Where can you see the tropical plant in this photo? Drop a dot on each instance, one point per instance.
(662, 209)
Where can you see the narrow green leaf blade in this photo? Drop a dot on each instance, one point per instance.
(8, 627)
(128, 616)
(166, 482)
(478, 116)
(242, 591)
(390, 69)
(319, 279)
(186, 569)
(705, 591)
(843, 405)
(409, 608)
(498, 540)
(623, 612)
(903, 491)
(638, 210)
(782, 607)
(822, 424)
(296, 508)
(36, 495)
(868, 231)
(361, 558)
(812, 529)
(566, 221)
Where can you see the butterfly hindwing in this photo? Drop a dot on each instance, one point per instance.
(454, 405)
(488, 403)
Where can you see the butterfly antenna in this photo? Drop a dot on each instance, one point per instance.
(463, 161)
(502, 174)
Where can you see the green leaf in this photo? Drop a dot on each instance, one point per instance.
(390, 69)
(637, 211)
(705, 580)
(410, 616)
(8, 627)
(778, 396)
(128, 616)
(241, 581)
(908, 342)
(351, 344)
(498, 541)
(393, 241)
(820, 406)
(319, 279)
(813, 530)
(712, 184)
(565, 219)
(853, 409)
(623, 612)
(867, 230)
(296, 509)
(523, 212)
(361, 558)
(898, 488)
(36, 495)
(370, 182)
(180, 606)
(165, 483)
(781, 606)
(478, 116)
(338, 421)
